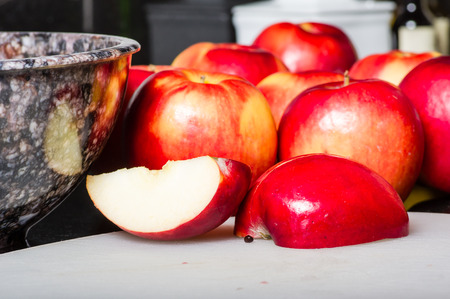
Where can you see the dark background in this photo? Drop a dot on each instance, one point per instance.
(163, 28)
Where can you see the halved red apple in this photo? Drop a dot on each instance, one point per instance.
(185, 198)
(319, 200)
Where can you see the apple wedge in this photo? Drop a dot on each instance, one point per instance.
(184, 199)
(319, 201)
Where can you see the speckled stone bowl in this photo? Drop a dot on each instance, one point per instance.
(60, 94)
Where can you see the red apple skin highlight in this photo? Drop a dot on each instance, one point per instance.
(236, 178)
(320, 201)
(428, 87)
(369, 121)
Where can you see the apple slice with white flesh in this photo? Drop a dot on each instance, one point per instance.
(184, 199)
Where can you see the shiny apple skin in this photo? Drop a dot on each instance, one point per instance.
(282, 87)
(308, 46)
(391, 66)
(235, 182)
(175, 116)
(248, 62)
(428, 87)
(320, 201)
(370, 121)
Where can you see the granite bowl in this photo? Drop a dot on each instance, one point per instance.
(60, 94)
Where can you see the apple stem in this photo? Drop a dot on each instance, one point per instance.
(346, 78)
(203, 78)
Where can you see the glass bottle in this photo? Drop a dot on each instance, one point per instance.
(413, 29)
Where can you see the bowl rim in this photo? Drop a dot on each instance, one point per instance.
(125, 46)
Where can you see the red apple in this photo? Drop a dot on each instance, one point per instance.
(428, 87)
(182, 200)
(248, 62)
(182, 114)
(370, 121)
(317, 201)
(391, 66)
(308, 46)
(282, 87)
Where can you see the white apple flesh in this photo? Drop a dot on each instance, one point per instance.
(185, 198)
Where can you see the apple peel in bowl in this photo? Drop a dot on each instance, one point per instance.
(321, 201)
(184, 199)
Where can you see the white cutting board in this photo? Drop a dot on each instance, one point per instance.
(219, 265)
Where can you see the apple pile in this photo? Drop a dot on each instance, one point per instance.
(293, 135)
